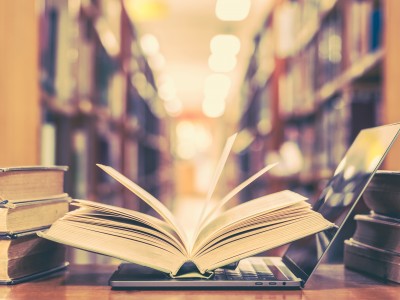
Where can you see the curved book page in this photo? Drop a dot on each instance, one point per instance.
(154, 203)
(212, 213)
(220, 166)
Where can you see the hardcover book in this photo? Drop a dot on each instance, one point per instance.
(26, 256)
(19, 184)
(29, 215)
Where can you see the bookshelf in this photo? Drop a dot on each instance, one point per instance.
(99, 102)
(328, 72)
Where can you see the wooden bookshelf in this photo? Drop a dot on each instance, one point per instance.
(336, 64)
(98, 94)
(100, 105)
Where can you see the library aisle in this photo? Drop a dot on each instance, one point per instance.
(155, 88)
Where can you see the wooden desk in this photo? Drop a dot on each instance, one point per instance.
(90, 282)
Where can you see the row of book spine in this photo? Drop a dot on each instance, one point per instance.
(328, 53)
(327, 127)
(100, 104)
(315, 85)
(100, 99)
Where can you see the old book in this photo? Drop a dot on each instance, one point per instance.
(371, 260)
(27, 215)
(19, 184)
(222, 236)
(24, 244)
(378, 231)
(382, 195)
(26, 256)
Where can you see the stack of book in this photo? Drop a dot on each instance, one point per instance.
(375, 245)
(31, 199)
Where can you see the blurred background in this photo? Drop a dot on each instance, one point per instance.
(154, 88)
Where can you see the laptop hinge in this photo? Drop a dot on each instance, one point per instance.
(295, 270)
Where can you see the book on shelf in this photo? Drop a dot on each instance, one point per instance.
(221, 237)
(116, 93)
(85, 69)
(26, 256)
(28, 183)
(79, 162)
(66, 59)
(365, 34)
(330, 50)
(48, 143)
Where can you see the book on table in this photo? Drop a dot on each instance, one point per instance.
(374, 247)
(27, 183)
(222, 236)
(17, 217)
(378, 231)
(26, 256)
(31, 199)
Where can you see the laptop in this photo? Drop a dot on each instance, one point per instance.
(302, 257)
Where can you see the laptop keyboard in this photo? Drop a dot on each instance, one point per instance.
(254, 268)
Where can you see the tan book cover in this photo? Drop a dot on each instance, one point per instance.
(28, 215)
(31, 182)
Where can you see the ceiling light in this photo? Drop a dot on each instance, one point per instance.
(185, 130)
(203, 138)
(107, 37)
(174, 108)
(166, 87)
(221, 63)
(213, 109)
(149, 44)
(186, 150)
(145, 10)
(232, 10)
(167, 91)
(217, 85)
(227, 44)
(157, 62)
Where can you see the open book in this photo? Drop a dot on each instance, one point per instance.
(222, 236)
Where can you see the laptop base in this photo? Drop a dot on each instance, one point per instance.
(132, 276)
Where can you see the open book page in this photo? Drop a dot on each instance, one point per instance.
(241, 235)
(215, 210)
(260, 240)
(129, 230)
(217, 174)
(118, 243)
(113, 216)
(208, 212)
(132, 232)
(252, 225)
(154, 203)
(247, 210)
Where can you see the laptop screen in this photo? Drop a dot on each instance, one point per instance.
(341, 194)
